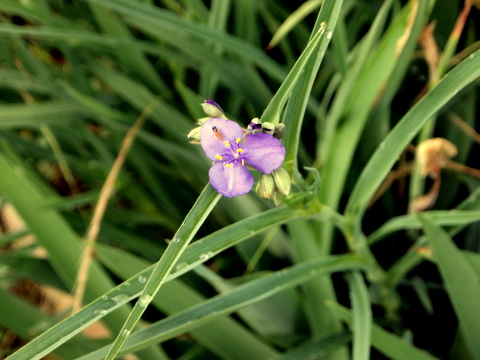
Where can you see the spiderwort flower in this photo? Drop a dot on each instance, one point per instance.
(225, 143)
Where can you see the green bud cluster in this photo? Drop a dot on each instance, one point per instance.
(257, 127)
(274, 185)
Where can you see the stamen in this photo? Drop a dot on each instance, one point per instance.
(239, 150)
(219, 157)
(238, 140)
(243, 162)
(227, 144)
(228, 165)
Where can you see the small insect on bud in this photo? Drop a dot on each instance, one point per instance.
(212, 109)
(268, 128)
(265, 186)
(282, 180)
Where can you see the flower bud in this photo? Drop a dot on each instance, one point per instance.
(255, 126)
(268, 128)
(282, 180)
(212, 109)
(277, 197)
(279, 131)
(265, 186)
(202, 120)
(194, 134)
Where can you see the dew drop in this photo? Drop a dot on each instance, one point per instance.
(144, 300)
(142, 279)
(125, 333)
(181, 266)
(329, 35)
(203, 257)
(101, 312)
(120, 298)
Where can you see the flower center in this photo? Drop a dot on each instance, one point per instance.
(236, 150)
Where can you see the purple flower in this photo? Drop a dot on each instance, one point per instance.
(225, 143)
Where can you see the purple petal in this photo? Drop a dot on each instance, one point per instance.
(231, 181)
(264, 152)
(215, 136)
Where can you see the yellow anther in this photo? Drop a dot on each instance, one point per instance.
(239, 150)
(238, 140)
(219, 157)
(226, 143)
(228, 165)
(243, 162)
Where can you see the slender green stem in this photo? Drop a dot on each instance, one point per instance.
(194, 219)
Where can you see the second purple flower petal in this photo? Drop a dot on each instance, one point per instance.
(264, 152)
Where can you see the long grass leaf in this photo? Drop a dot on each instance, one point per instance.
(197, 253)
(295, 111)
(175, 296)
(396, 141)
(50, 229)
(461, 282)
(194, 219)
(241, 296)
(362, 317)
(387, 343)
(165, 23)
(317, 349)
(442, 218)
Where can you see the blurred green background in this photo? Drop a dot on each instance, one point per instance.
(76, 75)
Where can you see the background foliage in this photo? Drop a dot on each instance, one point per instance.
(343, 268)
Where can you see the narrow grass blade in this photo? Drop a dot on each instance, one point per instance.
(244, 295)
(237, 343)
(461, 282)
(295, 17)
(194, 219)
(162, 24)
(396, 141)
(26, 320)
(14, 116)
(197, 253)
(317, 349)
(295, 111)
(362, 317)
(387, 343)
(20, 187)
(276, 104)
(317, 291)
(442, 218)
